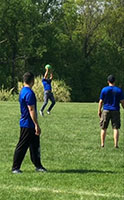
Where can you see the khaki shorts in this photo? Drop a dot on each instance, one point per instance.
(108, 115)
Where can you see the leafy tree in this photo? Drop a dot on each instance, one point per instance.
(83, 40)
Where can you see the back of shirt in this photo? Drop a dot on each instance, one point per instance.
(111, 96)
(26, 97)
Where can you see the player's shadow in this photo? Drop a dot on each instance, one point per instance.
(81, 171)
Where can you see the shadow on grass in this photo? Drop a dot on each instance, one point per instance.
(81, 171)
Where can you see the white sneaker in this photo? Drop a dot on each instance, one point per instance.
(16, 171)
(48, 112)
(41, 169)
(41, 113)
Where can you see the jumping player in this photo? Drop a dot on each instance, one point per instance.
(48, 95)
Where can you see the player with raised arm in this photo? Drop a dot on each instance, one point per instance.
(48, 95)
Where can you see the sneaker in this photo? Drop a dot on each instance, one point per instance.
(41, 113)
(48, 112)
(41, 169)
(16, 171)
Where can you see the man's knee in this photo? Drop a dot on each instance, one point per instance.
(45, 103)
(53, 102)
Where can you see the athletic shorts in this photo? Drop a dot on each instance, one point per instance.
(108, 115)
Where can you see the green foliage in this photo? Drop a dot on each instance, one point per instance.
(83, 40)
(5, 94)
(78, 169)
(60, 89)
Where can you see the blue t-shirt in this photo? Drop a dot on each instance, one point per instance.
(111, 96)
(26, 97)
(47, 84)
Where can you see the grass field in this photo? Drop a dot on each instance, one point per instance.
(78, 169)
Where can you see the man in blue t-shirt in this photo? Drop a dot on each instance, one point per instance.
(110, 98)
(29, 127)
(47, 92)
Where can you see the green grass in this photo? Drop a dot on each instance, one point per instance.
(78, 169)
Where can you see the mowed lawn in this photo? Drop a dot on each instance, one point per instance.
(78, 169)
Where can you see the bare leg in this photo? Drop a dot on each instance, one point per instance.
(116, 137)
(103, 135)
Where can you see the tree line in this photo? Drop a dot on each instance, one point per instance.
(82, 39)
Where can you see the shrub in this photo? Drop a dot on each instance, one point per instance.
(5, 94)
(60, 89)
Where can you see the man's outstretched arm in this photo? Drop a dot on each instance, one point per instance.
(46, 73)
(34, 119)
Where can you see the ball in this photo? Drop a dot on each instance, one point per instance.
(48, 66)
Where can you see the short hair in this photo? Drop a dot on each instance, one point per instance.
(111, 78)
(28, 77)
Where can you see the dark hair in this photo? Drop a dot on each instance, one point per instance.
(111, 78)
(28, 77)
